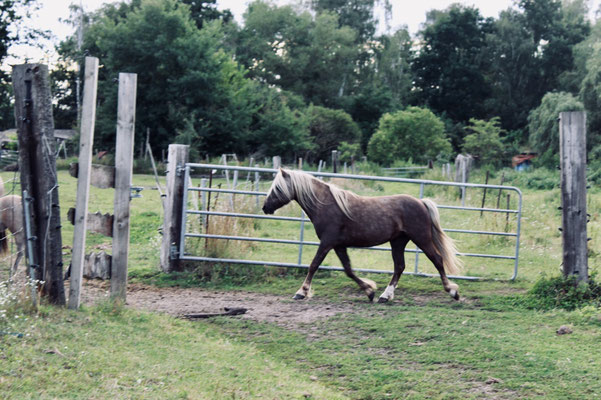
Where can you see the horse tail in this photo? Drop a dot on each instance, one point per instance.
(3, 242)
(442, 242)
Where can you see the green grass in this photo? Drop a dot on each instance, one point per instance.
(101, 353)
(423, 345)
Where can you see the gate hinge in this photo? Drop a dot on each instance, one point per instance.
(135, 192)
(174, 252)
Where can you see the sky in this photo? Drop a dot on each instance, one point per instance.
(404, 12)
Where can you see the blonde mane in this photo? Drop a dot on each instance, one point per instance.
(301, 184)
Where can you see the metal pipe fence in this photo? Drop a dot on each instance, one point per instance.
(205, 213)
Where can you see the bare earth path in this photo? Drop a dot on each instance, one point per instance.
(175, 301)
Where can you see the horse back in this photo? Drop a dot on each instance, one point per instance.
(376, 220)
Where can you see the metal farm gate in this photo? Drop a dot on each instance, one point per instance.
(243, 185)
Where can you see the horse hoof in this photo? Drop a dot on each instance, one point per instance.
(382, 300)
(371, 296)
(298, 297)
(454, 294)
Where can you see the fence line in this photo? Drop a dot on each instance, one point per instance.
(205, 213)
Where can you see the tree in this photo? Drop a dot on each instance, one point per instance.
(312, 57)
(11, 32)
(184, 77)
(484, 141)
(203, 11)
(588, 57)
(544, 128)
(449, 69)
(412, 134)
(514, 71)
(356, 14)
(329, 128)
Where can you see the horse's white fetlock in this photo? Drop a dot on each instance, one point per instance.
(388, 295)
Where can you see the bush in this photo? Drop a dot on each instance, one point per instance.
(538, 178)
(415, 133)
(565, 293)
(329, 129)
(484, 142)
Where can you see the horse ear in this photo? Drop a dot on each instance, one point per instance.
(284, 173)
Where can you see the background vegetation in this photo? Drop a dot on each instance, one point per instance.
(277, 82)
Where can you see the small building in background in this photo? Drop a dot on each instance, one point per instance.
(523, 161)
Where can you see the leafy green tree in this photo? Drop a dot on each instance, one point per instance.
(415, 133)
(183, 75)
(384, 84)
(280, 124)
(513, 72)
(588, 59)
(349, 151)
(356, 14)
(203, 11)
(544, 127)
(12, 31)
(484, 141)
(328, 129)
(312, 57)
(449, 69)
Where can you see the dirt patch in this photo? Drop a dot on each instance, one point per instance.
(281, 310)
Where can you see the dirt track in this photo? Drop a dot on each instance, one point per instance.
(281, 310)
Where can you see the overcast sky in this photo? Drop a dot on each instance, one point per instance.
(404, 12)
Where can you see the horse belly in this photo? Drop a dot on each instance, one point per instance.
(371, 232)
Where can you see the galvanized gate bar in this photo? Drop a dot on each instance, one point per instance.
(302, 220)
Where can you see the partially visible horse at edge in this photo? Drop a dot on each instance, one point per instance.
(344, 219)
(11, 218)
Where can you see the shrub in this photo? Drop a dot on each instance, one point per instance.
(414, 133)
(484, 142)
(329, 129)
(562, 292)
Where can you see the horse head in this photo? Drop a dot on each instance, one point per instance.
(279, 194)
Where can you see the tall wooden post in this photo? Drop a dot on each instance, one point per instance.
(572, 139)
(172, 222)
(37, 165)
(86, 140)
(124, 154)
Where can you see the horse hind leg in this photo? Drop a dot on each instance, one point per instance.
(367, 285)
(430, 251)
(398, 257)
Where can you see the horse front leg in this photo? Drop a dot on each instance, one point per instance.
(368, 286)
(305, 290)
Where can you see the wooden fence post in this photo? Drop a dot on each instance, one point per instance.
(86, 140)
(37, 165)
(124, 154)
(335, 161)
(572, 139)
(172, 228)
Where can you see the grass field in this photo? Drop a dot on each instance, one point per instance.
(424, 345)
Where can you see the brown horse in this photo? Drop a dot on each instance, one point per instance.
(11, 218)
(344, 219)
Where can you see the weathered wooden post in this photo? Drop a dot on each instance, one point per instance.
(37, 165)
(172, 223)
(86, 140)
(124, 154)
(572, 140)
(335, 161)
(277, 162)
